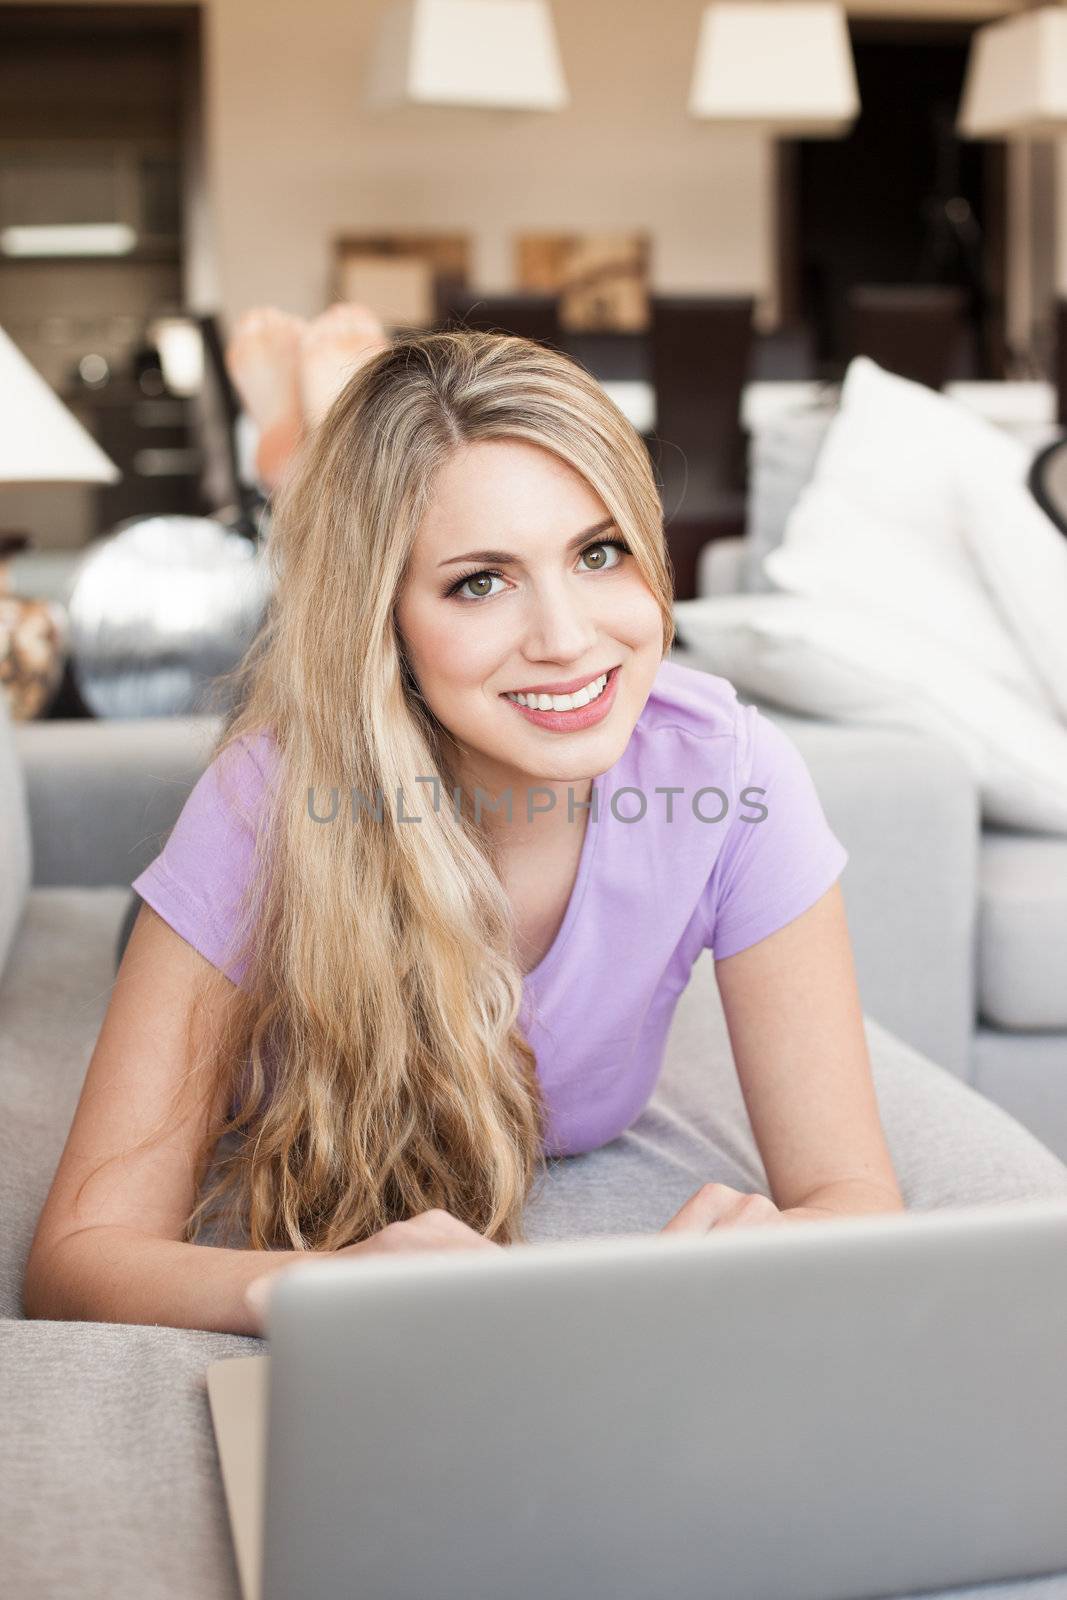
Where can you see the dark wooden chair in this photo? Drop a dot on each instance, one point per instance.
(701, 349)
(917, 330)
(218, 407)
(530, 316)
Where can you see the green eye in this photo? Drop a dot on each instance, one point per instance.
(490, 573)
(606, 544)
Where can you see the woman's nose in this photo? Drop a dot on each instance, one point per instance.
(560, 625)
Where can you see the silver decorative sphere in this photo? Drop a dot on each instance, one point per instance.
(158, 610)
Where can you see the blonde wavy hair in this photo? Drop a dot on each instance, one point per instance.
(371, 1066)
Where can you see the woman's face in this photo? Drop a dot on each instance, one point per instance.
(560, 607)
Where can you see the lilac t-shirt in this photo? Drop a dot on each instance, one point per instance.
(739, 848)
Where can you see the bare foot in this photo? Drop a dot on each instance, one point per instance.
(332, 348)
(263, 360)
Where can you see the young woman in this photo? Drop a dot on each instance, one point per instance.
(422, 924)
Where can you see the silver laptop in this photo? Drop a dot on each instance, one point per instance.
(851, 1408)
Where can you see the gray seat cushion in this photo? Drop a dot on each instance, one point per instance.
(109, 1477)
(53, 996)
(15, 858)
(1022, 930)
(104, 793)
(1026, 1073)
(781, 462)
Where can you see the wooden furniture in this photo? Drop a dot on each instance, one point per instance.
(917, 330)
(530, 316)
(700, 349)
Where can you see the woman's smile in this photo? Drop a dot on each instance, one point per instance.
(566, 639)
(568, 713)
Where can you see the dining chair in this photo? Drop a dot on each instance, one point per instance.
(918, 330)
(530, 316)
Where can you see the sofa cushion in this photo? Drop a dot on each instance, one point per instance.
(1026, 1074)
(109, 1476)
(1022, 931)
(109, 1473)
(1022, 557)
(839, 550)
(881, 525)
(53, 997)
(828, 659)
(15, 858)
(781, 459)
(902, 449)
(104, 793)
(785, 451)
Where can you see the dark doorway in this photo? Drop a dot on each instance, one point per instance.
(902, 200)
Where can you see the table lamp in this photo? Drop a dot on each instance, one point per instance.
(783, 67)
(40, 442)
(498, 54)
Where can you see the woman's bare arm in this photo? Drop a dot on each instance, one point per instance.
(115, 1254)
(115, 1274)
(795, 1021)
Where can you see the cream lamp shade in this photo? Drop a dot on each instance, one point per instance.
(781, 65)
(499, 54)
(1017, 77)
(40, 441)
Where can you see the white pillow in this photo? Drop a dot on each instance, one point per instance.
(1022, 556)
(902, 449)
(831, 661)
(840, 550)
(881, 525)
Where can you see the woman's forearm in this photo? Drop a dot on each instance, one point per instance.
(116, 1274)
(848, 1199)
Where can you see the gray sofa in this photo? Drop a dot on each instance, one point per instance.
(1005, 1004)
(1013, 933)
(109, 1483)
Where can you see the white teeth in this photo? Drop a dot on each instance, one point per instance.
(562, 702)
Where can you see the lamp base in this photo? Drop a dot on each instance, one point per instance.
(33, 642)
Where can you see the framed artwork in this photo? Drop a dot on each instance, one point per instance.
(602, 278)
(400, 276)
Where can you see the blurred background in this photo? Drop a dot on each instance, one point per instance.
(711, 206)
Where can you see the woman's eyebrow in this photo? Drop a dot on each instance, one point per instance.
(502, 557)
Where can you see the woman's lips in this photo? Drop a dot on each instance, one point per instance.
(573, 721)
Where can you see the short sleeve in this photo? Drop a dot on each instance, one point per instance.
(199, 877)
(770, 870)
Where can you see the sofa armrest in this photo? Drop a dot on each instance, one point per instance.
(719, 566)
(905, 807)
(103, 794)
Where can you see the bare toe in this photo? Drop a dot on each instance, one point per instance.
(348, 317)
(263, 358)
(332, 348)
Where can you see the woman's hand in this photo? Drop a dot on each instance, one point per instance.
(716, 1205)
(430, 1230)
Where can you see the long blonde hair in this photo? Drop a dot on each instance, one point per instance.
(372, 1062)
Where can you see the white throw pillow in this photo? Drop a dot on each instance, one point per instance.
(1022, 556)
(881, 524)
(902, 449)
(832, 661)
(838, 550)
